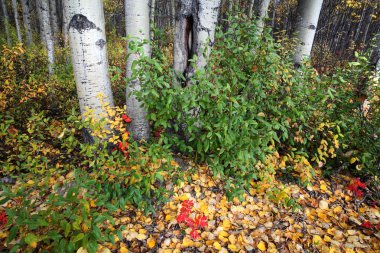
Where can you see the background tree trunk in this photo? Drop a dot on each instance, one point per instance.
(54, 20)
(89, 55)
(44, 17)
(152, 15)
(6, 22)
(137, 27)
(308, 15)
(250, 10)
(17, 20)
(26, 21)
(263, 13)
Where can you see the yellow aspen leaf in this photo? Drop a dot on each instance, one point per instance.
(327, 238)
(81, 250)
(123, 249)
(187, 242)
(168, 218)
(232, 239)
(185, 196)
(317, 239)
(226, 224)
(337, 209)
(323, 205)
(232, 247)
(30, 182)
(217, 246)
(323, 188)
(151, 242)
(261, 246)
(141, 237)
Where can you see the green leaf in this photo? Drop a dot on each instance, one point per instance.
(31, 239)
(78, 237)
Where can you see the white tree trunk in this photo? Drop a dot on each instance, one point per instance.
(6, 22)
(44, 17)
(137, 27)
(65, 25)
(250, 11)
(26, 21)
(205, 30)
(54, 22)
(17, 21)
(262, 15)
(308, 11)
(152, 15)
(194, 34)
(89, 55)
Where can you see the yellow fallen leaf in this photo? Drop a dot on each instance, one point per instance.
(323, 205)
(185, 196)
(187, 242)
(30, 182)
(217, 246)
(337, 209)
(81, 250)
(232, 239)
(123, 249)
(323, 188)
(261, 246)
(317, 239)
(232, 247)
(141, 237)
(151, 242)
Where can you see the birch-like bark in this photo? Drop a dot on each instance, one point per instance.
(194, 34)
(137, 28)
(65, 25)
(17, 20)
(6, 22)
(250, 11)
(152, 15)
(26, 21)
(308, 15)
(204, 36)
(182, 37)
(54, 20)
(44, 17)
(89, 55)
(262, 15)
(172, 16)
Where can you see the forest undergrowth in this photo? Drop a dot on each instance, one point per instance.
(267, 157)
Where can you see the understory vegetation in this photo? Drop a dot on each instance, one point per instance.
(249, 116)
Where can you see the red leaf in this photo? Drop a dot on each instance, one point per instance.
(3, 218)
(126, 118)
(367, 224)
(200, 221)
(194, 234)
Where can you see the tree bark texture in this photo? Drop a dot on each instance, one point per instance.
(54, 19)
(194, 34)
(262, 15)
(308, 15)
(44, 18)
(17, 20)
(6, 22)
(26, 21)
(137, 28)
(88, 46)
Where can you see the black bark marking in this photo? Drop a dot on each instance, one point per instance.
(100, 43)
(312, 27)
(81, 23)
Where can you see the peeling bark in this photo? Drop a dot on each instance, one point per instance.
(137, 27)
(26, 21)
(17, 20)
(89, 55)
(308, 15)
(194, 34)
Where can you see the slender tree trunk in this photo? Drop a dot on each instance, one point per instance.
(54, 20)
(26, 21)
(308, 15)
(65, 26)
(263, 12)
(250, 11)
(89, 55)
(44, 17)
(172, 16)
(17, 20)
(137, 27)
(6, 22)
(152, 15)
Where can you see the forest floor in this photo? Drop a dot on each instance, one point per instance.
(334, 215)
